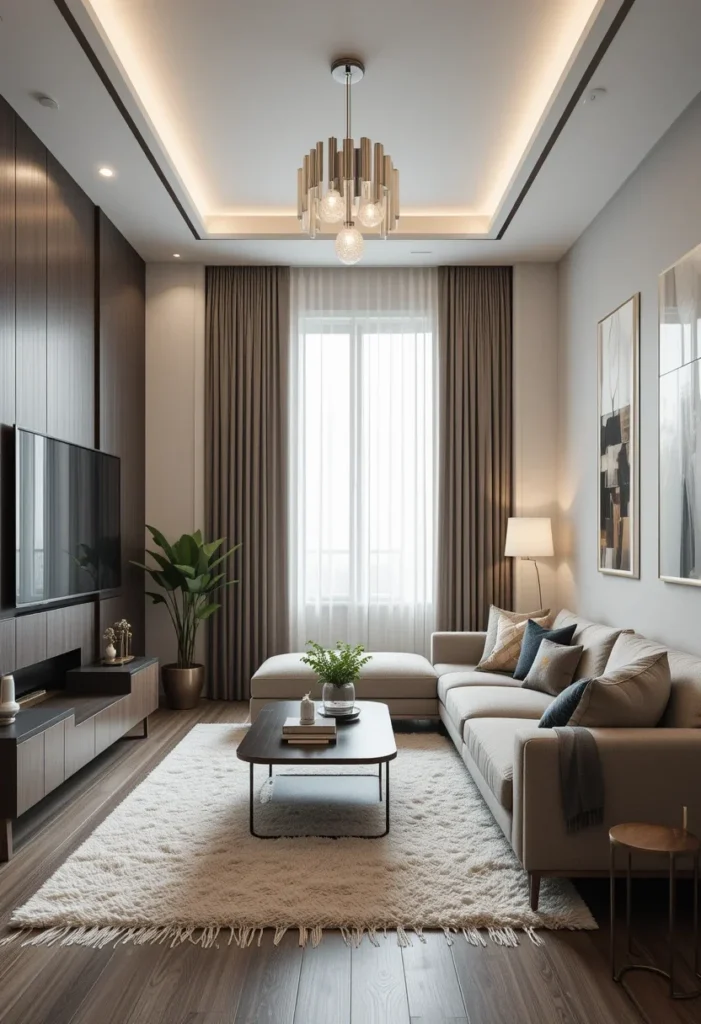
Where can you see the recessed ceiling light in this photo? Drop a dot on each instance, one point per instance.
(595, 95)
(46, 101)
(176, 255)
(106, 172)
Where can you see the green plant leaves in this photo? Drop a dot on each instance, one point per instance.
(185, 572)
(338, 666)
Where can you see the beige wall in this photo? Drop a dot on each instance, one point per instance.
(174, 418)
(653, 220)
(535, 417)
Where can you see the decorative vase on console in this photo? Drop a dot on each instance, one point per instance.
(338, 670)
(8, 705)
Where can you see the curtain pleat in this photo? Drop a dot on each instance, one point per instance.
(246, 395)
(475, 472)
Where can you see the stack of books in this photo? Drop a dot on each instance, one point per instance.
(320, 732)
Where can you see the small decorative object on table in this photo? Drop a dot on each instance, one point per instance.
(118, 637)
(8, 705)
(314, 732)
(674, 843)
(307, 710)
(338, 670)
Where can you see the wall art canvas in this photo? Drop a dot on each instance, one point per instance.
(618, 440)
(680, 421)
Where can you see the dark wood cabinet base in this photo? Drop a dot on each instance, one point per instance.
(51, 741)
(5, 839)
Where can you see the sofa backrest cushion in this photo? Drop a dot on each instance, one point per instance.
(684, 707)
(630, 696)
(596, 639)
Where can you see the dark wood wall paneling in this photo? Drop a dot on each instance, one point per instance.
(68, 369)
(122, 408)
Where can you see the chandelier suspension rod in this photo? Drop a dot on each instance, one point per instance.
(346, 188)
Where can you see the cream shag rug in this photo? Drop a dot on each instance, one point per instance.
(175, 860)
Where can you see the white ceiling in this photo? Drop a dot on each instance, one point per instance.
(229, 96)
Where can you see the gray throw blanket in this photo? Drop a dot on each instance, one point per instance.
(581, 778)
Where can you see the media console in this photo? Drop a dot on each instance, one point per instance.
(49, 742)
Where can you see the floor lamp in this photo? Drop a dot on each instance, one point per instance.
(530, 539)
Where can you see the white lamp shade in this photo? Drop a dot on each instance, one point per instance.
(528, 538)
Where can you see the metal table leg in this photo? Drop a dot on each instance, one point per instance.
(618, 974)
(258, 835)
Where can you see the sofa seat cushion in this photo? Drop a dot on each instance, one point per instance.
(469, 677)
(464, 703)
(596, 639)
(490, 743)
(285, 677)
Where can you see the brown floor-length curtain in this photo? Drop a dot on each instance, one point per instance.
(474, 416)
(246, 368)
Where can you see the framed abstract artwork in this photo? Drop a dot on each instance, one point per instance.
(619, 462)
(680, 421)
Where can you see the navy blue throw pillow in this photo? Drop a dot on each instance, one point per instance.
(531, 642)
(564, 705)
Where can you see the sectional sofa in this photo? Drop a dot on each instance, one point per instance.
(649, 774)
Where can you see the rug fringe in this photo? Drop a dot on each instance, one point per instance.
(244, 936)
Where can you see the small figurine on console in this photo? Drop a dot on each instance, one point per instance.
(8, 705)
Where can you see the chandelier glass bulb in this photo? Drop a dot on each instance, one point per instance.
(370, 214)
(331, 208)
(349, 245)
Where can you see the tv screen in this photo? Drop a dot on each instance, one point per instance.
(67, 520)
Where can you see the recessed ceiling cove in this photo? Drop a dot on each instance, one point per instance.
(463, 93)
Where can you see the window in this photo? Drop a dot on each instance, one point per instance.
(362, 463)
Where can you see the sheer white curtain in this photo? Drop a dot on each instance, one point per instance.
(362, 457)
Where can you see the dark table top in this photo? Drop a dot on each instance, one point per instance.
(368, 740)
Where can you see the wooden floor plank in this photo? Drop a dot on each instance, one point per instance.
(567, 981)
(324, 992)
(431, 979)
(378, 986)
(66, 981)
(270, 990)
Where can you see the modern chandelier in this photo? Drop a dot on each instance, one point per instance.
(360, 185)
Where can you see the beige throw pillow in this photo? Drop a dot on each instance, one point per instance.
(493, 625)
(504, 657)
(553, 668)
(632, 696)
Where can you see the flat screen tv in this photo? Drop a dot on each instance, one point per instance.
(67, 526)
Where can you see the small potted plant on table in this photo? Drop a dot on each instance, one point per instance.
(186, 572)
(338, 669)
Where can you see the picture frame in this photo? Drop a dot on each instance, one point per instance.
(679, 421)
(618, 407)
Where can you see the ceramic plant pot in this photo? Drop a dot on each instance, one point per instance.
(183, 686)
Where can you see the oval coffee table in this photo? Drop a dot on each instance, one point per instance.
(367, 740)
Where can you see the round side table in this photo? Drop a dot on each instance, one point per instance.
(674, 842)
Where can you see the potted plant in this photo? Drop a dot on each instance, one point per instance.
(186, 572)
(338, 670)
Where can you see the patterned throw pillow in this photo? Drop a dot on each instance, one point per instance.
(492, 626)
(553, 667)
(504, 657)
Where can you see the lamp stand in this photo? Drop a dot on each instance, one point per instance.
(537, 572)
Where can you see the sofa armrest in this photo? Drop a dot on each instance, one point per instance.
(457, 648)
(649, 775)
